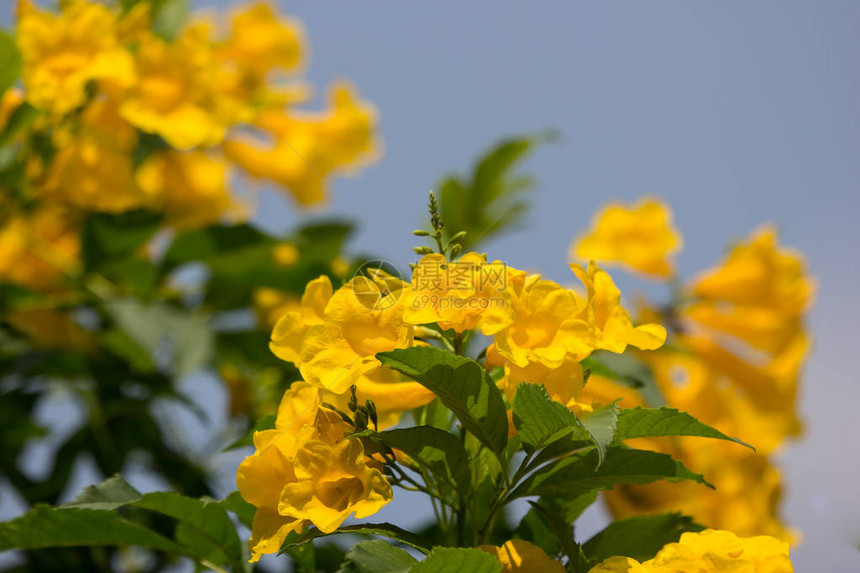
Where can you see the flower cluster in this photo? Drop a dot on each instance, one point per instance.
(120, 111)
(738, 344)
(711, 551)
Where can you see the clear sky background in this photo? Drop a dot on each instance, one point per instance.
(736, 113)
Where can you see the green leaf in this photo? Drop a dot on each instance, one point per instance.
(600, 425)
(446, 559)
(10, 62)
(461, 384)
(44, 526)
(203, 527)
(111, 494)
(378, 556)
(582, 473)
(491, 200)
(21, 119)
(211, 242)
(169, 18)
(540, 420)
(264, 423)
(151, 325)
(639, 537)
(649, 422)
(628, 370)
(382, 529)
(107, 238)
(439, 451)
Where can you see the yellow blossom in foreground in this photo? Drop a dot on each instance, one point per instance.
(361, 319)
(62, 52)
(305, 149)
(711, 551)
(548, 327)
(465, 294)
(295, 323)
(520, 556)
(176, 93)
(305, 471)
(190, 188)
(640, 236)
(38, 250)
(609, 324)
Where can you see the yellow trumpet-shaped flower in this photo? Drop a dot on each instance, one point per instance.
(260, 40)
(306, 149)
(640, 236)
(549, 326)
(520, 556)
(176, 95)
(332, 483)
(361, 319)
(609, 324)
(711, 551)
(464, 294)
(190, 188)
(295, 323)
(757, 295)
(63, 52)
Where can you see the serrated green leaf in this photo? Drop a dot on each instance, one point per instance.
(582, 473)
(601, 425)
(446, 559)
(650, 422)
(439, 451)
(540, 420)
(462, 386)
(378, 556)
(639, 537)
(382, 529)
(628, 370)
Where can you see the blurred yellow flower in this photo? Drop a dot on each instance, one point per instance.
(306, 149)
(711, 551)
(39, 249)
(63, 52)
(520, 556)
(285, 254)
(176, 95)
(609, 324)
(641, 237)
(190, 188)
(260, 40)
(465, 294)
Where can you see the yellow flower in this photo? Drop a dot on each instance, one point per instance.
(361, 319)
(757, 294)
(285, 254)
(711, 551)
(190, 187)
(92, 169)
(295, 323)
(176, 95)
(640, 236)
(260, 40)
(305, 471)
(332, 483)
(306, 149)
(609, 324)
(63, 52)
(547, 328)
(465, 294)
(520, 556)
(38, 250)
